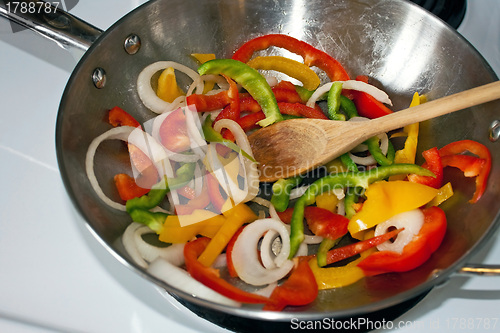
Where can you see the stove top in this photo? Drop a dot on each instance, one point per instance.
(55, 277)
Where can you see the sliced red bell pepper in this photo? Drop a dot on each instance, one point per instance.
(208, 102)
(119, 117)
(187, 192)
(210, 276)
(147, 173)
(199, 202)
(299, 289)
(286, 95)
(300, 110)
(366, 105)
(353, 249)
(249, 121)
(248, 104)
(311, 55)
(173, 132)
(284, 84)
(324, 223)
(471, 166)
(433, 163)
(476, 148)
(415, 253)
(286, 215)
(229, 253)
(231, 111)
(127, 187)
(214, 192)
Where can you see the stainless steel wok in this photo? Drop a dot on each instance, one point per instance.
(400, 46)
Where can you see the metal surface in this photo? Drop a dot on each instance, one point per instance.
(66, 30)
(396, 43)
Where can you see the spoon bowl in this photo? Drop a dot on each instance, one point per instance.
(295, 146)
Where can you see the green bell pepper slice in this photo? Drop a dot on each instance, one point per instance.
(281, 192)
(251, 80)
(159, 190)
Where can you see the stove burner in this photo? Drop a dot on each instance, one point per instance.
(245, 325)
(450, 11)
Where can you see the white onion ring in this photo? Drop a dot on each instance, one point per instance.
(378, 94)
(221, 82)
(148, 95)
(239, 135)
(245, 256)
(369, 160)
(134, 136)
(128, 241)
(249, 168)
(142, 252)
(411, 221)
(298, 192)
(193, 124)
(262, 201)
(180, 279)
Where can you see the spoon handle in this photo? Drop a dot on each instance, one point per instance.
(438, 107)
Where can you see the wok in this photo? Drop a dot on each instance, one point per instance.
(399, 45)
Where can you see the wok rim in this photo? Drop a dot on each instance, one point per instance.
(438, 279)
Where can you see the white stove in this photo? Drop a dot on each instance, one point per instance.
(54, 276)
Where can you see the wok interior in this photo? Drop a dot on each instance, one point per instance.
(400, 47)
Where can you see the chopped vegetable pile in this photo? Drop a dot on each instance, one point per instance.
(194, 181)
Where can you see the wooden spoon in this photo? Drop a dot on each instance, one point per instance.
(294, 146)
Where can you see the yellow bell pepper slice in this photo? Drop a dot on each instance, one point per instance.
(328, 201)
(290, 67)
(337, 277)
(444, 193)
(384, 199)
(203, 58)
(168, 90)
(173, 232)
(235, 218)
(408, 153)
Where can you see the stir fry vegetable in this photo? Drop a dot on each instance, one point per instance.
(194, 181)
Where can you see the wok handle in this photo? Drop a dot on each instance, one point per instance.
(480, 269)
(52, 22)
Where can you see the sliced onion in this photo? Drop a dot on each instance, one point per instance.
(262, 201)
(221, 82)
(142, 252)
(135, 136)
(128, 241)
(411, 221)
(303, 250)
(250, 167)
(240, 136)
(245, 254)
(378, 94)
(148, 95)
(193, 124)
(267, 290)
(180, 279)
(298, 192)
(247, 168)
(369, 160)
